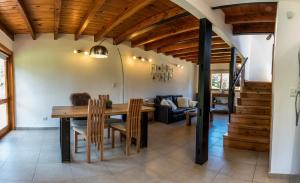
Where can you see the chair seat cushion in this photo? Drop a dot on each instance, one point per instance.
(119, 126)
(80, 123)
(80, 129)
(113, 120)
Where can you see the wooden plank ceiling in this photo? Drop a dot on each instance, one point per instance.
(251, 18)
(157, 25)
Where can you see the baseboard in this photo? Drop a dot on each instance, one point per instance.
(295, 179)
(283, 176)
(37, 128)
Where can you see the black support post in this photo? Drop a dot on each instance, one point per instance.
(232, 75)
(202, 128)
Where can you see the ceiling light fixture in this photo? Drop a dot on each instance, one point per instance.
(142, 59)
(99, 51)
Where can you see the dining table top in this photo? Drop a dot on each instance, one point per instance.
(82, 111)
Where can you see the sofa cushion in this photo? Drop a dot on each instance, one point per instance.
(171, 103)
(183, 102)
(159, 98)
(179, 110)
(174, 99)
(193, 103)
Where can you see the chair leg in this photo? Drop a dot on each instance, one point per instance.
(75, 141)
(128, 144)
(88, 151)
(108, 132)
(101, 149)
(112, 138)
(138, 144)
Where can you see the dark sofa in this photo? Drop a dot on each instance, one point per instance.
(165, 113)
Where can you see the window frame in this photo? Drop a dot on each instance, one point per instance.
(9, 99)
(221, 72)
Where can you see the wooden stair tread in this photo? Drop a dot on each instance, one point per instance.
(247, 138)
(249, 126)
(250, 116)
(256, 92)
(255, 99)
(253, 107)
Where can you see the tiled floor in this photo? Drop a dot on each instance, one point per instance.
(33, 156)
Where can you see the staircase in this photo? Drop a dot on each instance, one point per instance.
(249, 126)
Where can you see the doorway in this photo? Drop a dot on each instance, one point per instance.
(6, 92)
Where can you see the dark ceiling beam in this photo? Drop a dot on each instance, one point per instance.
(24, 14)
(243, 4)
(149, 24)
(130, 10)
(181, 46)
(189, 36)
(250, 18)
(7, 31)
(172, 40)
(57, 11)
(195, 49)
(196, 52)
(183, 25)
(94, 7)
(254, 28)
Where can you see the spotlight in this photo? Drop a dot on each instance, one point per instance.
(150, 60)
(86, 53)
(143, 59)
(75, 51)
(134, 57)
(181, 67)
(177, 65)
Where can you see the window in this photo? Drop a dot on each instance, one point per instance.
(3, 95)
(220, 81)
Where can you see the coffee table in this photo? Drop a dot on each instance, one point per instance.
(193, 113)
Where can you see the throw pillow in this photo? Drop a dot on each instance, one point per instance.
(183, 102)
(171, 103)
(193, 103)
(164, 102)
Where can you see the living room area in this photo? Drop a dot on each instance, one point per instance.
(137, 91)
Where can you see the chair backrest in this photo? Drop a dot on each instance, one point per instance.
(95, 123)
(134, 117)
(104, 97)
(80, 99)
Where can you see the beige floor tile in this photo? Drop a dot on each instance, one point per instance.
(261, 176)
(53, 172)
(242, 171)
(228, 179)
(17, 171)
(196, 174)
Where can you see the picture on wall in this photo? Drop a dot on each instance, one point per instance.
(161, 73)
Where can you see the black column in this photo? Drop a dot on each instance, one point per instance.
(232, 75)
(202, 128)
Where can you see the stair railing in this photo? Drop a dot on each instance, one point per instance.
(239, 78)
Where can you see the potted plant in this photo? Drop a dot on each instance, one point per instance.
(109, 104)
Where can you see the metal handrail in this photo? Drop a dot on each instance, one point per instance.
(239, 74)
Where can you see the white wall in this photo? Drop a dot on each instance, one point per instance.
(47, 71)
(260, 65)
(285, 150)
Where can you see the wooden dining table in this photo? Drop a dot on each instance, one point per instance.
(65, 113)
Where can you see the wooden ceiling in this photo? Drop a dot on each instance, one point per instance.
(157, 25)
(251, 18)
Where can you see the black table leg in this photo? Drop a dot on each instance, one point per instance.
(65, 139)
(144, 130)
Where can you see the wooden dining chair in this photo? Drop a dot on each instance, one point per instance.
(108, 119)
(93, 132)
(132, 128)
(79, 99)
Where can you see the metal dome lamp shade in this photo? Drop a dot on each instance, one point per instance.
(98, 51)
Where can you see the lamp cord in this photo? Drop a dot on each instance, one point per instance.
(121, 59)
